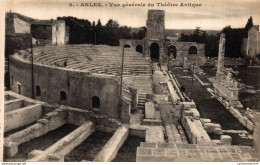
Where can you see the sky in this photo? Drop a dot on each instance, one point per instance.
(211, 15)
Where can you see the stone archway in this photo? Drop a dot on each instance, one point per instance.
(172, 51)
(155, 52)
(193, 50)
(95, 102)
(127, 46)
(38, 90)
(139, 48)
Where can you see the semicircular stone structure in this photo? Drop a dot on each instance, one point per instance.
(100, 59)
(82, 76)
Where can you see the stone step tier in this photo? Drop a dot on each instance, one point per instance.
(101, 59)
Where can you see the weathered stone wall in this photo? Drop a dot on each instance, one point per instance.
(253, 44)
(132, 43)
(155, 24)
(67, 34)
(43, 33)
(16, 42)
(58, 34)
(244, 47)
(20, 26)
(79, 87)
(183, 57)
(22, 117)
(227, 61)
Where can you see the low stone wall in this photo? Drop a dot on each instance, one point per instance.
(176, 85)
(109, 151)
(13, 104)
(211, 127)
(22, 117)
(57, 151)
(78, 87)
(175, 98)
(243, 119)
(193, 127)
(103, 123)
(227, 61)
(51, 121)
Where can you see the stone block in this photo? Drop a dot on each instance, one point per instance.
(35, 153)
(225, 139)
(196, 114)
(165, 145)
(250, 125)
(10, 149)
(149, 110)
(188, 113)
(220, 99)
(203, 121)
(148, 145)
(158, 152)
(218, 131)
(243, 120)
(226, 103)
(143, 151)
(210, 90)
(152, 122)
(209, 127)
(110, 150)
(22, 117)
(55, 158)
(217, 142)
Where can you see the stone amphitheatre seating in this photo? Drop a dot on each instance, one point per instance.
(101, 59)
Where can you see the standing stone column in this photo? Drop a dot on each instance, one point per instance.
(221, 52)
(256, 134)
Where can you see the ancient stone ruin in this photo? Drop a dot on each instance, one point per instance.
(81, 103)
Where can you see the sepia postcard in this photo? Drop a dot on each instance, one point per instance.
(130, 81)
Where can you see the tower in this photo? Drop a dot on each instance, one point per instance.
(155, 24)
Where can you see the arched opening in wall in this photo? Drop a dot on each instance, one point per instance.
(139, 48)
(38, 91)
(154, 52)
(19, 88)
(63, 96)
(12, 80)
(193, 50)
(172, 51)
(127, 46)
(95, 102)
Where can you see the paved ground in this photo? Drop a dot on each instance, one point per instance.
(163, 152)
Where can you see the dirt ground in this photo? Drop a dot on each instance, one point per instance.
(88, 149)
(127, 153)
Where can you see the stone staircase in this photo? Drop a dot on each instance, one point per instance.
(170, 152)
(141, 102)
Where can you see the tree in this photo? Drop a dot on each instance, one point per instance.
(249, 24)
(199, 36)
(141, 33)
(111, 24)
